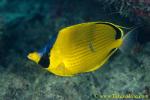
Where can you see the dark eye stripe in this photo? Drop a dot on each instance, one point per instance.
(44, 61)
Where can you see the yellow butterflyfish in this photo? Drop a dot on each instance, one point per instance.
(80, 48)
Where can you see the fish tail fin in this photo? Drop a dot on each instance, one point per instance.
(129, 40)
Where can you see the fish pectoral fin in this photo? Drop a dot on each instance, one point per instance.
(61, 70)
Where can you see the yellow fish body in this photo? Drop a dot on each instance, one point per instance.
(82, 48)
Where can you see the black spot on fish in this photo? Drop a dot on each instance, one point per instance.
(44, 61)
(118, 31)
(91, 47)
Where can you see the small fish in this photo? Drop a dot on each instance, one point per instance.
(80, 48)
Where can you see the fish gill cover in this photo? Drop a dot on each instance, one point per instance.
(28, 25)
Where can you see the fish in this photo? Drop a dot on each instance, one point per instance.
(79, 48)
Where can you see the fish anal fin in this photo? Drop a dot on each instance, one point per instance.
(104, 61)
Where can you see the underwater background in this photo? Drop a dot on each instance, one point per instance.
(27, 25)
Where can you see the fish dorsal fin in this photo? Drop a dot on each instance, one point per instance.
(119, 31)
